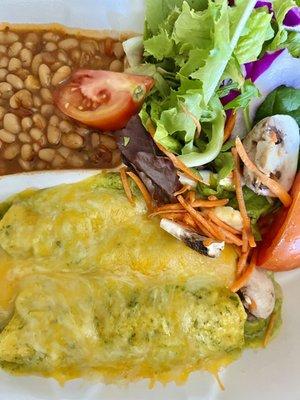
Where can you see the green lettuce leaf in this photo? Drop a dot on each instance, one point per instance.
(249, 92)
(257, 31)
(293, 43)
(159, 46)
(281, 8)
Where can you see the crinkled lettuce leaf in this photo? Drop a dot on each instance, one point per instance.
(281, 8)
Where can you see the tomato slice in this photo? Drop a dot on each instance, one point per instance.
(102, 99)
(280, 248)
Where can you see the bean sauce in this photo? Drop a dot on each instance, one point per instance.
(34, 134)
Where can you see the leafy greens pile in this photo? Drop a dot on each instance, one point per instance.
(196, 49)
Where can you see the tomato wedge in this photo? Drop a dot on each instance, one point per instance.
(102, 99)
(280, 248)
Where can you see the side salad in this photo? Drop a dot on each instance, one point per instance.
(215, 146)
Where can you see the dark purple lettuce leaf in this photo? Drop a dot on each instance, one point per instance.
(141, 154)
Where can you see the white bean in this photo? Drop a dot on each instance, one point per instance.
(21, 98)
(4, 61)
(39, 121)
(53, 134)
(27, 152)
(45, 75)
(26, 123)
(65, 126)
(61, 74)
(64, 151)
(14, 49)
(26, 57)
(36, 62)
(2, 112)
(6, 136)
(47, 154)
(31, 40)
(36, 133)
(32, 83)
(11, 123)
(24, 138)
(7, 37)
(68, 44)
(37, 101)
(118, 50)
(14, 64)
(54, 120)
(11, 151)
(51, 37)
(75, 160)
(50, 46)
(72, 140)
(58, 161)
(3, 73)
(46, 95)
(116, 66)
(47, 110)
(15, 81)
(26, 165)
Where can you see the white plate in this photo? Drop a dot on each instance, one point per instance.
(270, 374)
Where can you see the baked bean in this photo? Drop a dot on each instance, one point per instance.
(72, 140)
(14, 49)
(26, 165)
(2, 112)
(65, 126)
(89, 46)
(26, 123)
(82, 131)
(48, 58)
(95, 139)
(63, 57)
(53, 134)
(50, 46)
(6, 136)
(11, 151)
(68, 44)
(3, 73)
(75, 55)
(37, 101)
(61, 74)
(15, 81)
(47, 110)
(22, 98)
(58, 161)
(14, 64)
(36, 147)
(11, 123)
(22, 73)
(3, 49)
(45, 75)
(5, 87)
(24, 137)
(7, 37)
(116, 66)
(118, 50)
(31, 40)
(46, 95)
(75, 160)
(39, 121)
(64, 151)
(36, 62)
(54, 120)
(3, 61)
(36, 133)
(55, 66)
(116, 158)
(43, 141)
(27, 152)
(47, 154)
(26, 57)
(51, 37)
(108, 142)
(32, 83)
(41, 164)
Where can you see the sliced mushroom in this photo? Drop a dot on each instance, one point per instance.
(259, 294)
(273, 145)
(192, 239)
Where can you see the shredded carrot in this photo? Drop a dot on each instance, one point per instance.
(242, 262)
(269, 329)
(174, 216)
(210, 203)
(191, 196)
(243, 279)
(229, 237)
(125, 184)
(170, 206)
(245, 240)
(229, 126)
(240, 199)
(200, 219)
(220, 383)
(166, 211)
(184, 189)
(208, 242)
(270, 183)
(142, 187)
(188, 220)
(222, 224)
